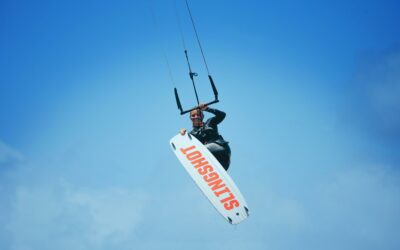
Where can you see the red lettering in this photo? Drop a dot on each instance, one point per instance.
(184, 150)
(231, 204)
(216, 184)
(211, 177)
(199, 162)
(231, 196)
(225, 190)
(193, 155)
(206, 169)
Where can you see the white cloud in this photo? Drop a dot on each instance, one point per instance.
(377, 92)
(384, 91)
(353, 208)
(356, 208)
(279, 210)
(62, 217)
(9, 155)
(365, 198)
(114, 213)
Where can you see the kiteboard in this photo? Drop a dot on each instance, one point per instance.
(210, 177)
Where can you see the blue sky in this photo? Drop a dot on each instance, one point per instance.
(312, 95)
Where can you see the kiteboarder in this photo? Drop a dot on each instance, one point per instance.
(207, 133)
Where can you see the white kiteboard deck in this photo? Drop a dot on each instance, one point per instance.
(210, 177)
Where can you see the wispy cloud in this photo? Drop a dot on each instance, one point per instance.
(376, 93)
(66, 217)
(114, 213)
(352, 208)
(360, 205)
(9, 155)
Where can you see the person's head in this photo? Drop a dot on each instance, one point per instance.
(196, 116)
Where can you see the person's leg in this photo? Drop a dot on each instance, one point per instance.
(223, 154)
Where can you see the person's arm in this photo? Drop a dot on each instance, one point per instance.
(219, 116)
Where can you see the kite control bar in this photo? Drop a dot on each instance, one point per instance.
(215, 91)
(192, 74)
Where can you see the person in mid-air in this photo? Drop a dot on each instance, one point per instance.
(207, 133)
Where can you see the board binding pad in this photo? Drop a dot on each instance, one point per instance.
(210, 177)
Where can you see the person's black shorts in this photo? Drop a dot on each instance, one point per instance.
(222, 153)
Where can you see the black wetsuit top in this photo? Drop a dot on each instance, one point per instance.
(208, 133)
